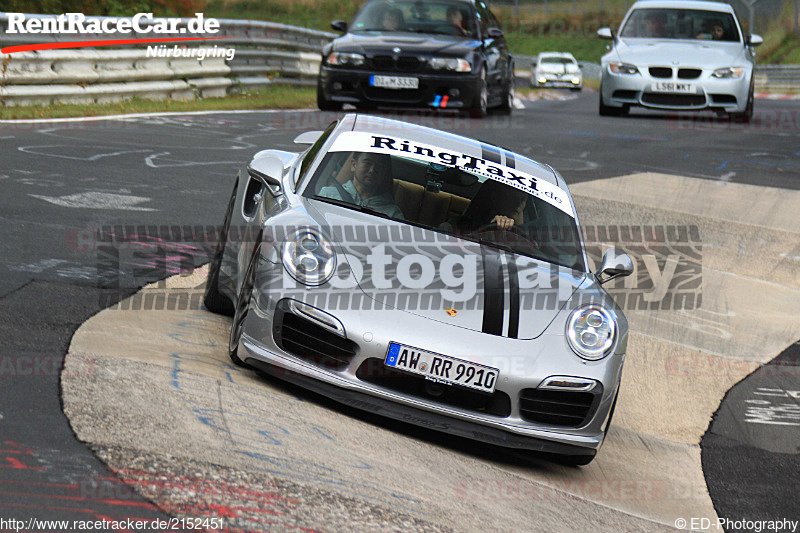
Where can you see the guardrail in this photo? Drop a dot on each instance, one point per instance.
(777, 78)
(266, 53)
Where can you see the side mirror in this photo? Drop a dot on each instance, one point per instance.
(614, 266)
(533, 64)
(607, 34)
(753, 40)
(339, 25)
(269, 171)
(495, 33)
(308, 137)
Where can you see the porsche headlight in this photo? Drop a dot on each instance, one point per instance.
(308, 257)
(343, 59)
(622, 68)
(728, 73)
(591, 331)
(450, 63)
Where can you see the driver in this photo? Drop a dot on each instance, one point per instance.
(371, 185)
(494, 203)
(456, 18)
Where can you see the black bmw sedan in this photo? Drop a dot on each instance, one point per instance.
(444, 54)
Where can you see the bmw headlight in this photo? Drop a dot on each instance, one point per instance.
(450, 63)
(591, 331)
(308, 257)
(344, 59)
(728, 73)
(622, 68)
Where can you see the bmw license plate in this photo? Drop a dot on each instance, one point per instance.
(441, 368)
(674, 87)
(394, 82)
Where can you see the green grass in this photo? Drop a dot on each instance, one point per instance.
(277, 97)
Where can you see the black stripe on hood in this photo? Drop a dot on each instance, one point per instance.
(493, 291)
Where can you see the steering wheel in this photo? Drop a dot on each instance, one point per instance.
(492, 226)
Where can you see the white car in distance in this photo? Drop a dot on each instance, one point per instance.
(556, 69)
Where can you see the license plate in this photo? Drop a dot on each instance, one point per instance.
(441, 368)
(394, 82)
(673, 87)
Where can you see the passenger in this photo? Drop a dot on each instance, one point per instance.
(371, 185)
(494, 203)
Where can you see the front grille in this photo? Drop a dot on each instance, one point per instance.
(407, 63)
(677, 100)
(311, 342)
(689, 73)
(661, 72)
(373, 371)
(624, 94)
(558, 408)
(399, 64)
(383, 63)
(723, 98)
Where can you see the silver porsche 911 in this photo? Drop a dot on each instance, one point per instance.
(428, 278)
(679, 55)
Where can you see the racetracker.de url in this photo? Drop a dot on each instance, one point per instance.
(34, 524)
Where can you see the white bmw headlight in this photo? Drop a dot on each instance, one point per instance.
(622, 68)
(308, 257)
(591, 331)
(450, 63)
(728, 73)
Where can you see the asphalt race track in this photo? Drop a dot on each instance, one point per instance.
(67, 183)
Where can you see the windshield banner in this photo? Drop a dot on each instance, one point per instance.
(358, 141)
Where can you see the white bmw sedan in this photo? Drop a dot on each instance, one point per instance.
(679, 55)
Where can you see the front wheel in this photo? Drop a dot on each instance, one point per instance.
(243, 305)
(481, 105)
(213, 299)
(508, 102)
(323, 103)
(747, 115)
(608, 111)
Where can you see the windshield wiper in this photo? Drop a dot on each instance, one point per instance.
(354, 207)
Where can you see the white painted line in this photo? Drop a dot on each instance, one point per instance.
(98, 200)
(145, 115)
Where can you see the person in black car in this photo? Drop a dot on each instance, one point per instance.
(456, 18)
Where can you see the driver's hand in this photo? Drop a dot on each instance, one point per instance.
(503, 222)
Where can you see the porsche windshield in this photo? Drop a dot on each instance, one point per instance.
(536, 223)
(658, 23)
(441, 17)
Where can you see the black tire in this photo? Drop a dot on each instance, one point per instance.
(508, 94)
(323, 103)
(243, 305)
(481, 105)
(747, 115)
(608, 111)
(213, 299)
